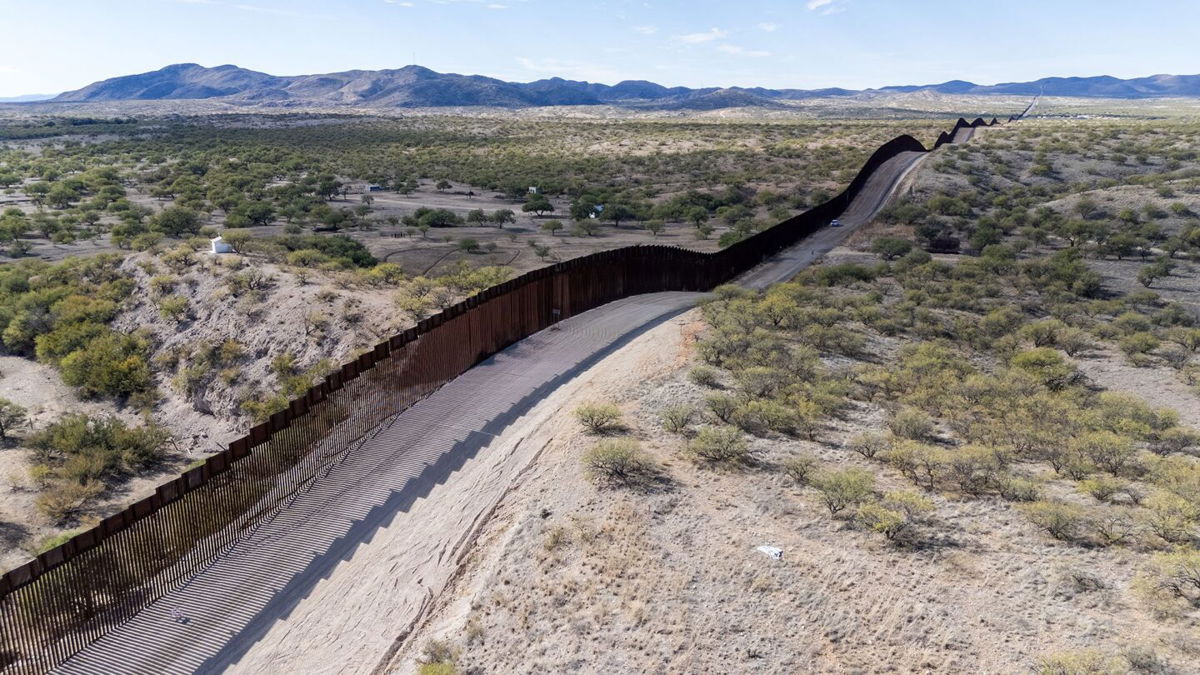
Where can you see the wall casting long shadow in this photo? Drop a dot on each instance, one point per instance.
(58, 603)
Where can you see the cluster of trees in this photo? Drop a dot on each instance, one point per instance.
(259, 176)
(60, 313)
(1011, 184)
(420, 296)
(331, 252)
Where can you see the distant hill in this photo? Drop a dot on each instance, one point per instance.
(27, 98)
(418, 87)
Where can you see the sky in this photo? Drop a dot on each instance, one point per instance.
(49, 46)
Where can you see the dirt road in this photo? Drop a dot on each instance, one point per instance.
(869, 202)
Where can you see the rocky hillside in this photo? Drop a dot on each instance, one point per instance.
(418, 87)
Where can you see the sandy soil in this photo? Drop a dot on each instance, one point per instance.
(569, 576)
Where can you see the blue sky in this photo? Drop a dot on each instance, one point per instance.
(47, 46)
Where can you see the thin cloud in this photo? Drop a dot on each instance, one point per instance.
(646, 30)
(768, 27)
(742, 51)
(827, 6)
(708, 36)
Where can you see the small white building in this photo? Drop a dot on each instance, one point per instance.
(220, 246)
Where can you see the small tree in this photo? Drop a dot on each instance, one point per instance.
(720, 445)
(1177, 576)
(845, 487)
(911, 423)
(1155, 271)
(1061, 520)
(477, 217)
(443, 185)
(502, 216)
(537, 204)
(1106, 450)
(868, 445)
(176, 221)
(800, 468)
(552, 226)
(12, 417)
(890, 248)
(1175, 439)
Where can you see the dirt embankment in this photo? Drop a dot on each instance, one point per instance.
(314, 319)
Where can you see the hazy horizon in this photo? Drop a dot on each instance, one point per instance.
(854, 44)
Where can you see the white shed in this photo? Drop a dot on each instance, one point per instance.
(219, 246)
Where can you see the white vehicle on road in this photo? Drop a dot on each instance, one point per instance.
(835, 223)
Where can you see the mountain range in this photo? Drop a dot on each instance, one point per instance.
(418, 87)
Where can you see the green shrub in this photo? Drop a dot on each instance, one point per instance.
(890, 248)
(1174, 578)
(912, 424)
(110, 365)
(173, 307)
(598, 418)
(438, 657)
(1175, 439)
(12, 417)
(619, 460)
(972, 468)
(83, 448)
(1170, 516)
(759, 416)
(844, 487)
(868, 444)
(1061, 520)
(1103, 487)
(676, 418)
(1106, 451)
(1139, 343)
(1019, 489)
(705, 376)
(800, 468)
(720, 445)
(722, 406)
(895, 515)
(62, 500)
(1046, 365)
(881, 519)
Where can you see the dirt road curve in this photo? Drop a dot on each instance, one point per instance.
(873, 197)
(331, 582)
